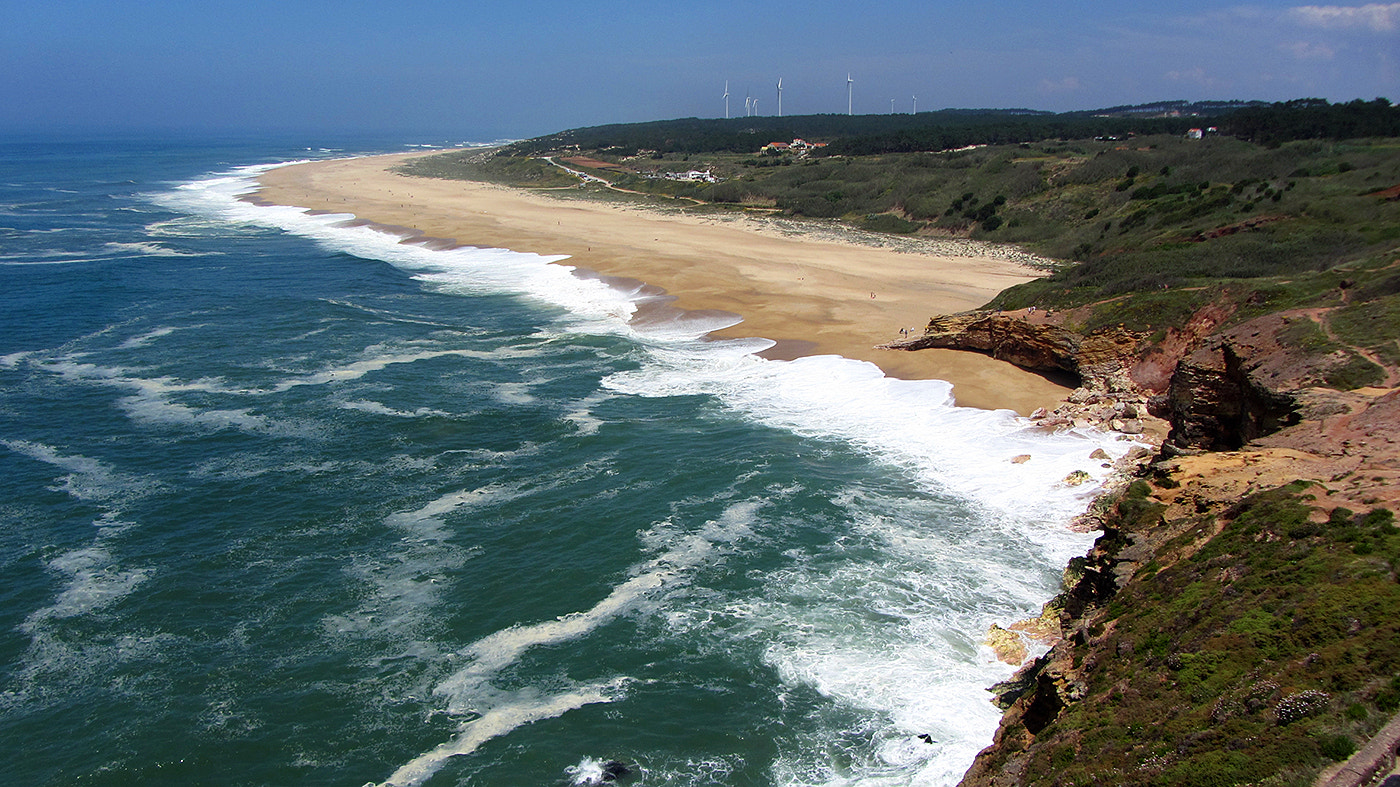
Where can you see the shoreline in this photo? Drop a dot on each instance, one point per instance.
(807, 291)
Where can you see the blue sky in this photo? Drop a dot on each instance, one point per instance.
(508, 69)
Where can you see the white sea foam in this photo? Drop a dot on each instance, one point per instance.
(681, 553)
(147, 250)
(582, 416)
(406, 584)
(151, 398)
(110, 251)
(885, 625)
(87, 479)
(94, 581)
(908, 423)
(12, 360)
(378, 408)
(93, 578)
(146, 338)
(518, 711)
(408, 581)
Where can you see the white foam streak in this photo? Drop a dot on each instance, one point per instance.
(146, 338)
(358, 369)
(94, 582)
(93, 579)
(686, 551)
(497, 722)
(409, 580)
(147, 250)
(378, 408)
(583, 418)
(468, 690)
(88, 479)
(467, 687)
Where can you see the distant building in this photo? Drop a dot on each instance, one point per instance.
(800, 146)
(694, 175)
(1194, 133)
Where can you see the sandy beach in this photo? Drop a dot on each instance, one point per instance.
(812, 293)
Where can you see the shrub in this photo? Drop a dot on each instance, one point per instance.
(1301, 705)
(1337, 747)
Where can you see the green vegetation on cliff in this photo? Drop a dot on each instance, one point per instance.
(1257, 654)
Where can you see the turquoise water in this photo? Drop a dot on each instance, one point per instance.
(288, 502)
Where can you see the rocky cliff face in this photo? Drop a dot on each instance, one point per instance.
(1219, 390)
(1249, 414)
(1222, 593)
(1216, 402)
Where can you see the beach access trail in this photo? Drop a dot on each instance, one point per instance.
(812, 293)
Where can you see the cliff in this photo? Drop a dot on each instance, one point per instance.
(1232, 624)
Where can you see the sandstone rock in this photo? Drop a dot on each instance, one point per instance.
(1020, 459)
(1077, 478)
(1006, 645)
(1099, 453)
(1099, 360)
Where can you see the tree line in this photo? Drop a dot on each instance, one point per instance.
(856, 135)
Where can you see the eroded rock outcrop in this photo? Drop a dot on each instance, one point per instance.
(1217, 402)
(1251, 381)
(1098, 361)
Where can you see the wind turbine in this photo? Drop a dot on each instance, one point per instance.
(848, 92)
(726, 99)
(748, 105)
(780, 96)
(891, 106)
(916, 105)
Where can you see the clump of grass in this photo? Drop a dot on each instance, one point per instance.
(488, 167)
(888, 222)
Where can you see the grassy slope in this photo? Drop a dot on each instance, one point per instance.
(1256, 655)
(1148, 220)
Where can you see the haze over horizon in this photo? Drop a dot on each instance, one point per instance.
(522, 69)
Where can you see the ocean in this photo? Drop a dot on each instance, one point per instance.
(284, 501)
